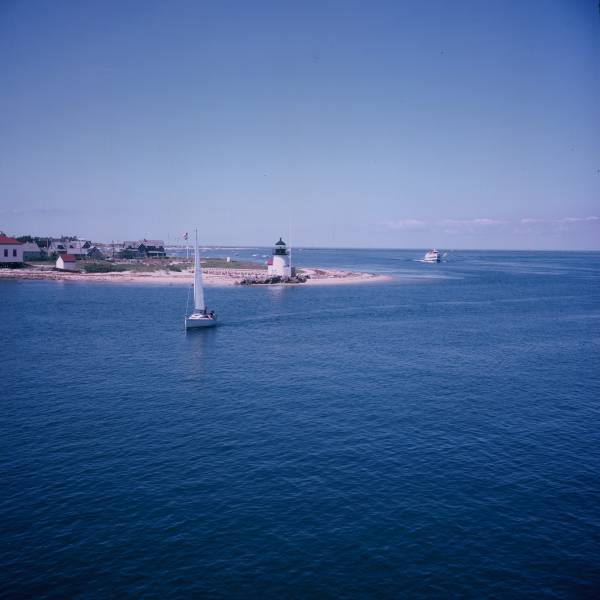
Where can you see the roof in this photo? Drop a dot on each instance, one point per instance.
(5, 240)
(146, 243)
(68, 258)
(30, 247)
(77, 244)
(74, 246)
(280, 242)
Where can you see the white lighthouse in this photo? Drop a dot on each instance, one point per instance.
(279, 264)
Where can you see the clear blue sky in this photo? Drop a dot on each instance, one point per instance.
(399, 124)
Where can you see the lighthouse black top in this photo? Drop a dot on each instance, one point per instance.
(280, 247)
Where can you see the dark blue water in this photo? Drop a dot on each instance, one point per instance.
(435, 436)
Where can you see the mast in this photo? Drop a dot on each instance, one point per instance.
(290, 242)
(198, 290)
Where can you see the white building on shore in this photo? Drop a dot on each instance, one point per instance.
(279, 265)
(11, 250)
(66, 262)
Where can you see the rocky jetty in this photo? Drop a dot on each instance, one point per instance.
(273, 280)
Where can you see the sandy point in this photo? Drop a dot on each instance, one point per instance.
(211, 278)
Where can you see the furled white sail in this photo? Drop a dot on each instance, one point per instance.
(198, 289)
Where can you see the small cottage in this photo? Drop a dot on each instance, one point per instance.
(66, 262)
(11, 251)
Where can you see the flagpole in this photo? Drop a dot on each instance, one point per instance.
(290, 240)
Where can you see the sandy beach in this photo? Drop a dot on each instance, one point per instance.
(212, 277)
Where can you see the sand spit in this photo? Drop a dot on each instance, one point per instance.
(212, 277)
(339, 277)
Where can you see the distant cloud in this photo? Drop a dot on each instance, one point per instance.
(581, 219)
(446, 225)
(470, 225)
(39, 211)
(558, 224)
(406, 224)
(473, 222)
(460, 226)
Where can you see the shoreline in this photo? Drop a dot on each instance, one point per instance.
(211, 277)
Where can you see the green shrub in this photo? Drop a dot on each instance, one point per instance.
(104, 267)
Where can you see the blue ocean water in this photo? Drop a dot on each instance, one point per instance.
(433, 436)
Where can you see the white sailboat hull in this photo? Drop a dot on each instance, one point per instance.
(197, 321)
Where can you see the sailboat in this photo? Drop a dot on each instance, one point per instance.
(200, 317)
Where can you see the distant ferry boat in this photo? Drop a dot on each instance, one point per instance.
(433, 256)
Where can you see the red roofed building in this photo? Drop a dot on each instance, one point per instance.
(11, 250)
(66, 262)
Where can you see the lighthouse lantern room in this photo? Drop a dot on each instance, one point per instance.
(279, 264)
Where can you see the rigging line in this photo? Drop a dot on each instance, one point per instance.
(187, 303)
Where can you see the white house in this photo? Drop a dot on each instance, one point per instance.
(77, 248)
(11, 250)
(66, 262)
(279, 264)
